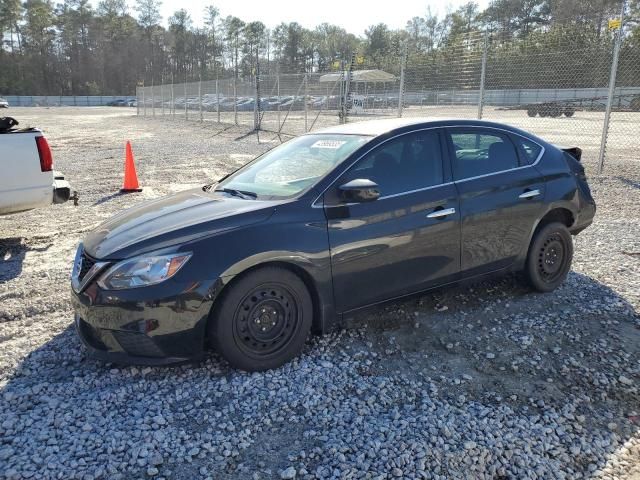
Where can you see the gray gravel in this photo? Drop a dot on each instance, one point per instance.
(483, 381)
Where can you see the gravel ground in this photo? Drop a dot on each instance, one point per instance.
(482, 381)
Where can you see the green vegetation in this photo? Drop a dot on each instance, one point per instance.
(74, 48)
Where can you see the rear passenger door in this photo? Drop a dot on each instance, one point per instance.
(501, 195)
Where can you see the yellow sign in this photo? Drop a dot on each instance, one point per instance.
(336, 65)
(614, 24)
(359, 59)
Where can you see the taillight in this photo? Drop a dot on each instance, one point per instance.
(46, 159)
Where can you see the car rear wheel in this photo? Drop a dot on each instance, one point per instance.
(263, 321)
(549, 257)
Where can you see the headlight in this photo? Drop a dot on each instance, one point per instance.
(143, 271)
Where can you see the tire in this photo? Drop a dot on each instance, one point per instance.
(568, 112)
(263, 321)
(549, 257)
(532, 112)
(555, 111)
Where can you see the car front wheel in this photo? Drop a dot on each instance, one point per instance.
(263, 320)
(549, 257)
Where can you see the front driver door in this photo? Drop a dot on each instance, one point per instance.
(406, 240)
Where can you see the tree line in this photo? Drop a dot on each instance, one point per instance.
(74, 48)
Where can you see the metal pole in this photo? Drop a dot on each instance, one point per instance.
(162, 97)
(278, 83)
(137, 101)
(235, 98)
(153, 100)
(200, 96)
(186, 113)
(401, 91)
(173, 103)
(612, 86)
(306, 109)
(256, 107)
(144, 104)
(482, 75)
(218, 100)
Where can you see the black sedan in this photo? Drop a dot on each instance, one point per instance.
(325, 224)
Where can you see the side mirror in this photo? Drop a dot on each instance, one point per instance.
(359, 190)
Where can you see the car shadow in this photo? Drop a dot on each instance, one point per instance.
(435, 346)
(12, 254)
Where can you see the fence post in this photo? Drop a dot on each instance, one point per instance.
(403, 64)
(235, 98)
(256, 106)
(612, 86)
(483, 71)
(162, 98)
(200, 97)
(218, 100)
(306, 108)
(186, 112)
(153, 101)
(278, 106)
(144, 103)
(138, 101)
(173, 103)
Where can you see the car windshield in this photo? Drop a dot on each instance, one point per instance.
(293, 167)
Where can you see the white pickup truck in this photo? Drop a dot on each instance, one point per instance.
(27, 178)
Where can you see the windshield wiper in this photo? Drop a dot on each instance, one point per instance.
(238, 193)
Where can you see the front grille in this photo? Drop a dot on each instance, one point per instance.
(85, 266)
(137, 344)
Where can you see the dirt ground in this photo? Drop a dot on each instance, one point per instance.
(575, 351)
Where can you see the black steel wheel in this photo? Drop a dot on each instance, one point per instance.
(549, 258)
(263, 320)
(532, 111)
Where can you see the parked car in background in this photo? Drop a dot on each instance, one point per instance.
(28, 180)
(117, 103)
(325, 224)
(4, 103)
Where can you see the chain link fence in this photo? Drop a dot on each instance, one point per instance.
(570, 89)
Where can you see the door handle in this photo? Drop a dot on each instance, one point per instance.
(444, 212)
(530, 194)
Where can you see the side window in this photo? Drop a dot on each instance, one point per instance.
(409, 162)
(527, 149)
(481, 152)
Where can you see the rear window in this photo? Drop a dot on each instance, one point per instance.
(479, 152)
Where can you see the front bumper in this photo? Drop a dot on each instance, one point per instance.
(158, 325)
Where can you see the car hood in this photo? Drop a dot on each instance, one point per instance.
(172, 220)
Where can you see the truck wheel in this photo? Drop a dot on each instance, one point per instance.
(555, 111)
(263, 321)
(549, 257)
(568, 112)
(532, 111)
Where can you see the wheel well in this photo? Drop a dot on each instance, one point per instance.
(561, 215)
(296, 270)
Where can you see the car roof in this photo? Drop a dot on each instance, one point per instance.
(388, 125)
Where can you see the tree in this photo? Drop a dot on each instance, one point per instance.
(212, 48)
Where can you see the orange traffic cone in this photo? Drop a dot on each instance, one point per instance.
(130, 177)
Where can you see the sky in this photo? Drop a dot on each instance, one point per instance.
(354, 15)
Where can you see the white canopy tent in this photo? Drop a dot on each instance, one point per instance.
(359, 76)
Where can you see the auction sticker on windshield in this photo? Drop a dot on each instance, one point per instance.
(331, 144)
